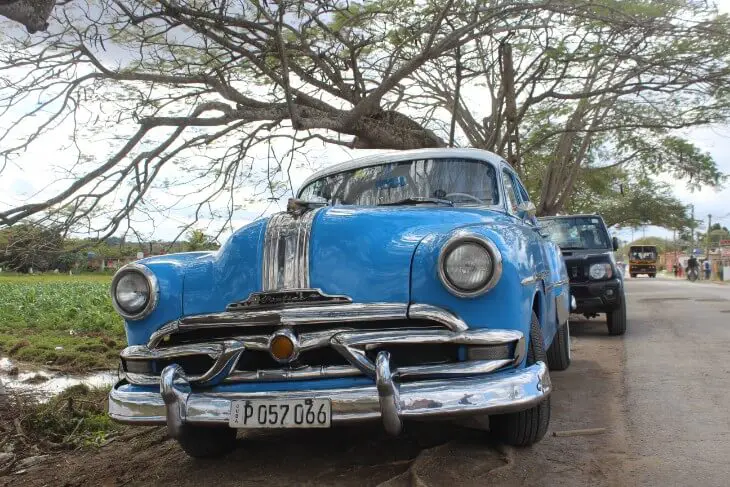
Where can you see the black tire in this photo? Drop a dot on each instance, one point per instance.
(633, 276)
(558, 355)
(207, 441)
(616, 319)
(523, 428)
(652, 276)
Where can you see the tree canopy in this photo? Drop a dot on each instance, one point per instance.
(216, 102)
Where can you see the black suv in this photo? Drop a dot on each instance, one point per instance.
(596, 283)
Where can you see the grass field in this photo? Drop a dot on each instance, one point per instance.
(40, 313)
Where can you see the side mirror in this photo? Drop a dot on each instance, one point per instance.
(615, 243)
(526, 210)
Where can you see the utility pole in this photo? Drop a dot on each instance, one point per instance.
(692, 232)
(707, 235)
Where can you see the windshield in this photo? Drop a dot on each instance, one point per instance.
(459, 181)
(642, 252)
(577, 233)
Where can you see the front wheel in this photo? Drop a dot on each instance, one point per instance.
(523, 428)
(207, 441)
(633, 276)
(616, 319)
(558, 355)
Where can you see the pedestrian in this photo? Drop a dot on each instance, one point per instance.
(675, 268)
(708, 270)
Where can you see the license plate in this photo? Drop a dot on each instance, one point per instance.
(281, 413)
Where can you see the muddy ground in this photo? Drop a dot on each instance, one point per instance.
(588, 395)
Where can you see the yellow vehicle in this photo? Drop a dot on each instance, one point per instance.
(642, 260)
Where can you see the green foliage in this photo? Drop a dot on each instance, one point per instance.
(197, 240)
(717, 232)
(40, 313)
(642, 203)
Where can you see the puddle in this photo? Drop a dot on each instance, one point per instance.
(46, 383)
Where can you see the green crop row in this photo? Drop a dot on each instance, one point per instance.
(65, 321)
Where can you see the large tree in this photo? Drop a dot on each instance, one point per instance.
(560, 87)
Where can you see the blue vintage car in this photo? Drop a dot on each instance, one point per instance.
(406, 286)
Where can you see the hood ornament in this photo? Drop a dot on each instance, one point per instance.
(297, 207)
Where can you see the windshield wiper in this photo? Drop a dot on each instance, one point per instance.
(573, 248)
(416, 200)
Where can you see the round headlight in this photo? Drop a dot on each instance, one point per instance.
(134, 291)
(599, 271)
(470, 265)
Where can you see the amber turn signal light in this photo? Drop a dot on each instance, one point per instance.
(282, 347)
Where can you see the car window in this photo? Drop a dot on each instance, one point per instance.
(577, 233)
(509, 189)
(521, 190)
(464, 182)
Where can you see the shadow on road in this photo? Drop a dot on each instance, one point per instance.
(582, 327)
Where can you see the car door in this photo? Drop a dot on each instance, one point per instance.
(549, 269)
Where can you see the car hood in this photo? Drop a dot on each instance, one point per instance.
(362, 252)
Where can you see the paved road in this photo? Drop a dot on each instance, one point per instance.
(677, 380)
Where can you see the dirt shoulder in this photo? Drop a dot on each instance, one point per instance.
(588, 395)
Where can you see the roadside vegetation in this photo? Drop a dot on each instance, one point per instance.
(76, 417)
(62, 321)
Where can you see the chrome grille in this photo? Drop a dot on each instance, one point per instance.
(333, 340)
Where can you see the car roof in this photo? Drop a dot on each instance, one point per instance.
(404, 155)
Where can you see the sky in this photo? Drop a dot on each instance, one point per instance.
(32, 177)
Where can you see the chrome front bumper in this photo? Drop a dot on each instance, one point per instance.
(493, 393)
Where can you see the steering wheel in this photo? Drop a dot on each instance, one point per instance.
(466, 195)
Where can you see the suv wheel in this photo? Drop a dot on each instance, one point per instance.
(558, 355)
(523, 428)
(616, 319)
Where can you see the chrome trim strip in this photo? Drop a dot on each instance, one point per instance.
(528, 280)
(439, 315)
(372, 339)
(465, 236)
(556, 283)
(334, 313)
(286, 251)
(443, 371)
(293, 316)
(226, 355)
(304, 373)
(141, 352)
(151, 282)
(158, 336)
(496, 393)
(265, 375)
(354, 345)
